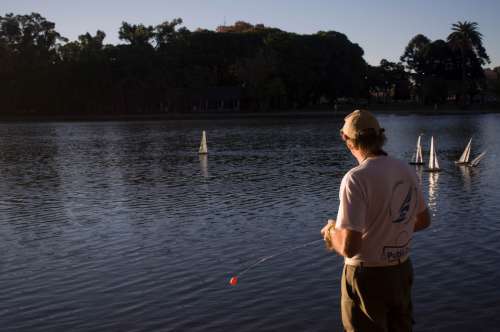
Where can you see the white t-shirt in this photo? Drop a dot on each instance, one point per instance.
(380, 198)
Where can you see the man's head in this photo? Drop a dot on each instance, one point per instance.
(361, 131)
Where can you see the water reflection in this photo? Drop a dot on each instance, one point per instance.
(419, 170)
(433, 191)
(204, 165)
(465, 172)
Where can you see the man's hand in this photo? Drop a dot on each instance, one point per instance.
(327, 232)
(345, 242)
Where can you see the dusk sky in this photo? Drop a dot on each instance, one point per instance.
(381, 28)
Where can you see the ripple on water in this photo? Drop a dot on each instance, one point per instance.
(121, 226)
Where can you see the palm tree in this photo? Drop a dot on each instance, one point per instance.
(466, 36)
(467, 39)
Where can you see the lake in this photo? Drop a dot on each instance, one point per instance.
(121, 226)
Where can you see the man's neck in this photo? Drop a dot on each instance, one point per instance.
(363, 155)
(359, 155)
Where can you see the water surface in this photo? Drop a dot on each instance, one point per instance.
(122, 226)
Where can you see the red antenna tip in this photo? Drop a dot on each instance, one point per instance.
(233, 281)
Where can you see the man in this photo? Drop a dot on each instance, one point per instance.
(381, 205)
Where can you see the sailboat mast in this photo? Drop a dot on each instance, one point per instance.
(416, 152)
(431, 154)
(467, 151)
(419, 157)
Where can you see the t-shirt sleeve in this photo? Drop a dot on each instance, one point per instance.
(352, 208)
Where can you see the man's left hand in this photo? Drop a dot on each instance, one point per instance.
(328, 231)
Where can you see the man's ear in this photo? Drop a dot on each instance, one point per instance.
(350, 145)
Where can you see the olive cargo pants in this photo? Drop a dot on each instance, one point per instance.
(377, 298)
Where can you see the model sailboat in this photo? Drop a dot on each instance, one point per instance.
(476, 160)
(417, 158)
(203, 144)
(433, 161)
(464, 158)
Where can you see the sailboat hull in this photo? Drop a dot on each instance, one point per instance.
(415, 163)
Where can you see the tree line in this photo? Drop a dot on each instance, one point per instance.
(161, 68)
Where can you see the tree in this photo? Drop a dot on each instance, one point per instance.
(155, 66)
(414, 61)
(166, 32)
(85, 70)
(467, 39)
(30, 46)
(136, 34)
(439, 71)
(244, 27)
(260, 79)
(388, 81)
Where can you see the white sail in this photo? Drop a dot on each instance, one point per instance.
(436, 162)
(431, 154)
(433, 161)
(464, 158)
(476, 160)
(203, 144)
(419, 158)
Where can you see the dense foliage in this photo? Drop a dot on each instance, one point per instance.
(448, 70)
(159, 68)
(157, 65)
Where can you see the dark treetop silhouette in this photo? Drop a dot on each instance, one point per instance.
(169, 69)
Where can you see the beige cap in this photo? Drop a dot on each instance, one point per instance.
(358, 121)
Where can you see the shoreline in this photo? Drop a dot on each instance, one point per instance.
(302, 114)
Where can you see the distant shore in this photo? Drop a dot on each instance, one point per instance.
(292, 114)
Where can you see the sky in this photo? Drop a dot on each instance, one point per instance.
(382, 28)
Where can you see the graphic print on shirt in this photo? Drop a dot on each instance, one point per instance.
(399, 250)
(400, 212)
(394, 253)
